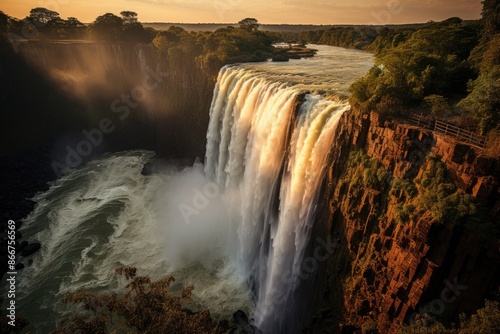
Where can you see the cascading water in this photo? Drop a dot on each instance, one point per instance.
(267, 146)
(272, 161)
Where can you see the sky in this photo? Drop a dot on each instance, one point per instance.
(265, 11)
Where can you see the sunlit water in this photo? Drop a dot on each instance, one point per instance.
(330, 72)
(230, 227)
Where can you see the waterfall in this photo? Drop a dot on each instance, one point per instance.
(267, 146)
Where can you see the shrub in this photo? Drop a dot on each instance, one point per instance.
(146, 307)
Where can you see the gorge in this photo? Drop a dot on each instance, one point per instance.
(303, 229)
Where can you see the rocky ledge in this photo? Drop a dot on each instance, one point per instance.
(388, 271)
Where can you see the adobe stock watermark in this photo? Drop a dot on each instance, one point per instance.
(223, 6)
(201, 201)
(29, 29)
(385, 16)
(436, 307)
(121, 108)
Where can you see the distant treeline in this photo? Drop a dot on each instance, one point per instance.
(212, 50)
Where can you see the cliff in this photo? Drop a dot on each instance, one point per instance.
(416, 214)
(51, 92)
(156, 101)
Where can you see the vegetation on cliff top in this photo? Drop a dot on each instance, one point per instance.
(453, 61)
(211, 49)
(432, 190)
(456, 62)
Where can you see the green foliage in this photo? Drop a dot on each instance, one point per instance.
(208, 50)
(431, 61)
(485, 321)
(5, 24)
(432, 191)
(106, 27)
(364, 173)
(42, 15)
(436, 64)
(146, 307)
(215, 49)
(129, 17)
(437, 104)
(491, 18)
(366, 38)
(250, 24)
(483, 102)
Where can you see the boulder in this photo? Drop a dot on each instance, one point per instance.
(240, 317)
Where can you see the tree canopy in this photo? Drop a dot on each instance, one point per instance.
(250, 24)
(129, 17)
(43, 15)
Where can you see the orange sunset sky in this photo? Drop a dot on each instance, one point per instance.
(266, 11)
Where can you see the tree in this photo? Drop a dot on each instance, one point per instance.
(438, 104)
(491, 17)
(43, 15)
(250, 24)
(129, 17)
(74, 22)
(146, 307)
(483, 102)
(4, 22)
(107, 26)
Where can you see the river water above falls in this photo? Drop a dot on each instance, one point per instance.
(237, 227)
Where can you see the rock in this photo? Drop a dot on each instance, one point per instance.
(240, 317)
(159, 165)
(31, 249)
(147, 169)
(19, 266)
(242, 324)
(281, 57)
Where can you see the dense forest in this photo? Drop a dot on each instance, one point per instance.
(212, 49)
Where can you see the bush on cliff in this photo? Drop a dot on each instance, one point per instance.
(432, 191)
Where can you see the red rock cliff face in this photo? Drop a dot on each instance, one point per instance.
(385, 272)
